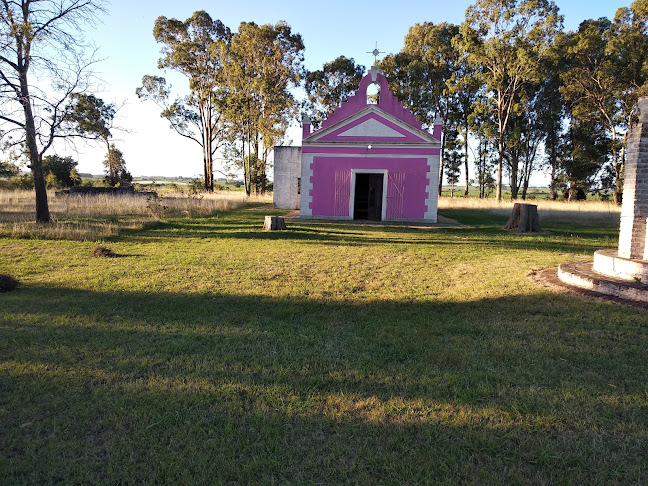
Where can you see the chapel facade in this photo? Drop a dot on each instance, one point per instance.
(370, 160)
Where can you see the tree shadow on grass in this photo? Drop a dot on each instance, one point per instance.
(220, 389)
(561, 239)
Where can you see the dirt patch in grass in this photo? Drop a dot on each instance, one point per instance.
(8, 283)
(102, 251)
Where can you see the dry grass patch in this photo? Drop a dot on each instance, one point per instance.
(582, 212)
(63, 230)
(95, 217)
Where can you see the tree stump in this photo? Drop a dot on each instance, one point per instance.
(273, 223)
(524, 219)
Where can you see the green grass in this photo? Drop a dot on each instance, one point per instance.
(210, 352)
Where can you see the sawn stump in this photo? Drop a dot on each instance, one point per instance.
(273, 223)
(524, 219)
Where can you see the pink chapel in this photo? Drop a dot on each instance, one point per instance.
(368, 161)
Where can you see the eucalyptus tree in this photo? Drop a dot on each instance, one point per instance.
(92, 117)
(589, 84)
(506, 40)
(466, 91)
(552, 113)
(328, 87)
(584, 149)
(420, 73)
(264, 63)
(528, 129)
(454, 159)
(196, 48)
(607, 73)
(115, 168)
(485, 132)
(43, 62)
(629, 44)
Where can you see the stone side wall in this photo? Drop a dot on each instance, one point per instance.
(287, 171)
(634, 210)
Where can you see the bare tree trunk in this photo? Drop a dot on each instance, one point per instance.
(42, 207)
(500, 155)
(209, 168)
(514, 174)
(467, 189)
(525, 187)
(552, 183)
(441, 160)
(618, 193)
(525, 177)
(35, 161)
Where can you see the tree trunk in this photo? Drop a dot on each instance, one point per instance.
(40, 188)
(208, 163)
(525, 185)
(35, 161)
(515, 164)
(441, 160)
(500, 155)
(467, 189)
(524, 219)
(552, 183)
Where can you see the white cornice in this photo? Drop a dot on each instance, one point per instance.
(355, 144)
(315, 138)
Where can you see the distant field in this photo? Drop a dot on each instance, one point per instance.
(533, 193)
(211, 352)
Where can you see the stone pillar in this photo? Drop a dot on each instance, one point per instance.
(306, 126)
(634, 209)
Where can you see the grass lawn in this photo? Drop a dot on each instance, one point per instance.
(210, 352)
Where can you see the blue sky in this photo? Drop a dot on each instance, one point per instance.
(329, 29)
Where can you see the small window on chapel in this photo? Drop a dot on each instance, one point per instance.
(373, 94)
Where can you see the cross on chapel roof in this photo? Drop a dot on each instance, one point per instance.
(375, 53)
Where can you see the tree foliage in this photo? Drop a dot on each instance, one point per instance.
(607, 71)
(421, 74)
(91, 116)
(454, 159)
(8, 169)
(466, 94)
(60, 171)
(328, 87)
(583, 151)
(115, 168)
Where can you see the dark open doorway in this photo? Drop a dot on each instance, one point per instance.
(368, 197)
